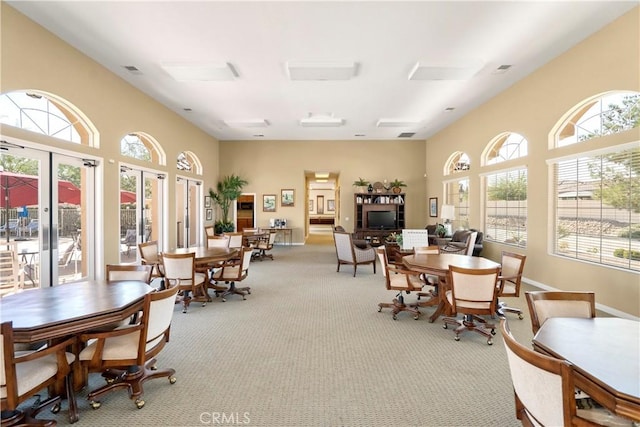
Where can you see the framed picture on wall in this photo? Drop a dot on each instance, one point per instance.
(269, 203)
(209, 214)
(331, 205)
(320, 204)
(310, 205)
(287, 198)
(433, 207)
(207, 201)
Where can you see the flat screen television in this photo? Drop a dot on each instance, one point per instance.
(381, 220)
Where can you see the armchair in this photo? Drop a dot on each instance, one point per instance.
(265, 245)
(180, 270)
(462, 242)
(348, 253)
(235, 270)
(150, 255)
(473, 293)
(546, 304)
(126, 356)
(401, 280)
(509, 280)
(23, 374)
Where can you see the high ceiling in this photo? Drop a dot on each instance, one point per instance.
(462, 44)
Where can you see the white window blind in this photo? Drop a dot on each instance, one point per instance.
(506, 207)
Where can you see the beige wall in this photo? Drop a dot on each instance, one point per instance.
(608, 60)
(270, 166)
(32, 58)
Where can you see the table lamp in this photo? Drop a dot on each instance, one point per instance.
(448, 213)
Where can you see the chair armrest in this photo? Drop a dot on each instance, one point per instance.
(129, 329)
(45, 351)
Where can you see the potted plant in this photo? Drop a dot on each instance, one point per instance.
(228, 190)
(396, 185)
(362, 184)
(441, 230)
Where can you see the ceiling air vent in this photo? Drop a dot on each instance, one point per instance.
(132, 69)
(406, 134)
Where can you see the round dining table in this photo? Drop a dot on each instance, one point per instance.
(438, 265)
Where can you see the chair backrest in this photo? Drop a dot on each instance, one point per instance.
(546, 304)
(460, 236)
(209, 231)
(542, 385)
(344, 246)
(11, 276)
(381, 252)
(218, 241)
(64, 260)
(157, 314)
(235, 240)
(272, 237)
(473, 289)
(179, 267)
(512, 266)
(119, 272)
(149, 252)
(414, 237)
(471, 241)
(426, 250)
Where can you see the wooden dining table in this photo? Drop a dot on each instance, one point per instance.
(438, 265)
(605, 354)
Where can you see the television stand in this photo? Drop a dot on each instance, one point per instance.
(375, 237)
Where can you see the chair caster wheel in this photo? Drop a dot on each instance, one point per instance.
(444, 326)
(395, 317)
(154, 367)
(520, 316)
(249, 292)
(379, 309)
(244, 299)
(139, 403)
(224, 300)
(489, 341)
(95, 404)
(56, 408)
(172, 380)
(457, 338)
(493, 332)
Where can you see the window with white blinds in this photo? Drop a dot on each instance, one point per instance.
(597, 207)
(506, 207)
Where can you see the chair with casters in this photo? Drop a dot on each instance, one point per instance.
(209, 231)
(462, 242)
(236, 240)
(546, 304)
(218, 241)
(150, 255)
(126, 356)
(265, 245)
(400, 280)
(428, 279)
(543, 389)
(512, 265)
(25, 374)
(235, 270)
(472, 293)
(348, 253)
(180, 271)
(125, 272)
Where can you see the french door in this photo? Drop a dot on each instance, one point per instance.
(47, 213)
(188, 208)
(141, 210)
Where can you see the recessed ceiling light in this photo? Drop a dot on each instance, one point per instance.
(221, 71)
(310, 70)
(248, 123)
(396, 123)
(445, 70)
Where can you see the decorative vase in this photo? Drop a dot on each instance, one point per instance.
(396, 190)
(370, 188)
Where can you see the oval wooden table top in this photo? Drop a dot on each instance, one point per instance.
(438, 264)
(207, 255)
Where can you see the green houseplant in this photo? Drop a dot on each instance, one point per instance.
(228, 190)
(362, 184)
(396, 185)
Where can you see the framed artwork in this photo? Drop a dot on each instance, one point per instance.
(287, 198)
(209, 213)
(331, 205)
(207, 201)
(433, 207)
(320, 204)
(310, 205)
(268, 203)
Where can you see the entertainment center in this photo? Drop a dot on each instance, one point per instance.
(377, 215)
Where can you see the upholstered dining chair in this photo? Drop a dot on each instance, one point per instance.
(348, 253)
(543, 389)
(428, 279)
(117, 272)
(235, 270)
(209, 231)
(473, 294)
(235, 240)
(24, 374)
(218, 241)
(150, 255)
(512, 265)
(400, 280)
(126, 356)
(180, 270)
(546, 304)
(266, 245)
(462, 242)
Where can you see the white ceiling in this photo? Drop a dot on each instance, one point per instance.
(385, 40)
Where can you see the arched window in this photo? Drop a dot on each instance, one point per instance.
(457, 190)
(187, 161)
(141, 146)
(600, 115)
(47, 114)
(505, 190)
(596, 204)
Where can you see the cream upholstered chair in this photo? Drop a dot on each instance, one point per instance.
(428, 279)
(180, 270)
(512, 265)
(235, 240)
(218, 241)
(401, 280)
(265, 245)
(126, 356)
(543, 389)
(546, 304)
(23, 374)
(119, 272)
(235, 270)
(348, 253)
(150, 255)
(209, 231)
(473, 294)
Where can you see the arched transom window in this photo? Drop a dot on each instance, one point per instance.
(188, 161)
(143, 147)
